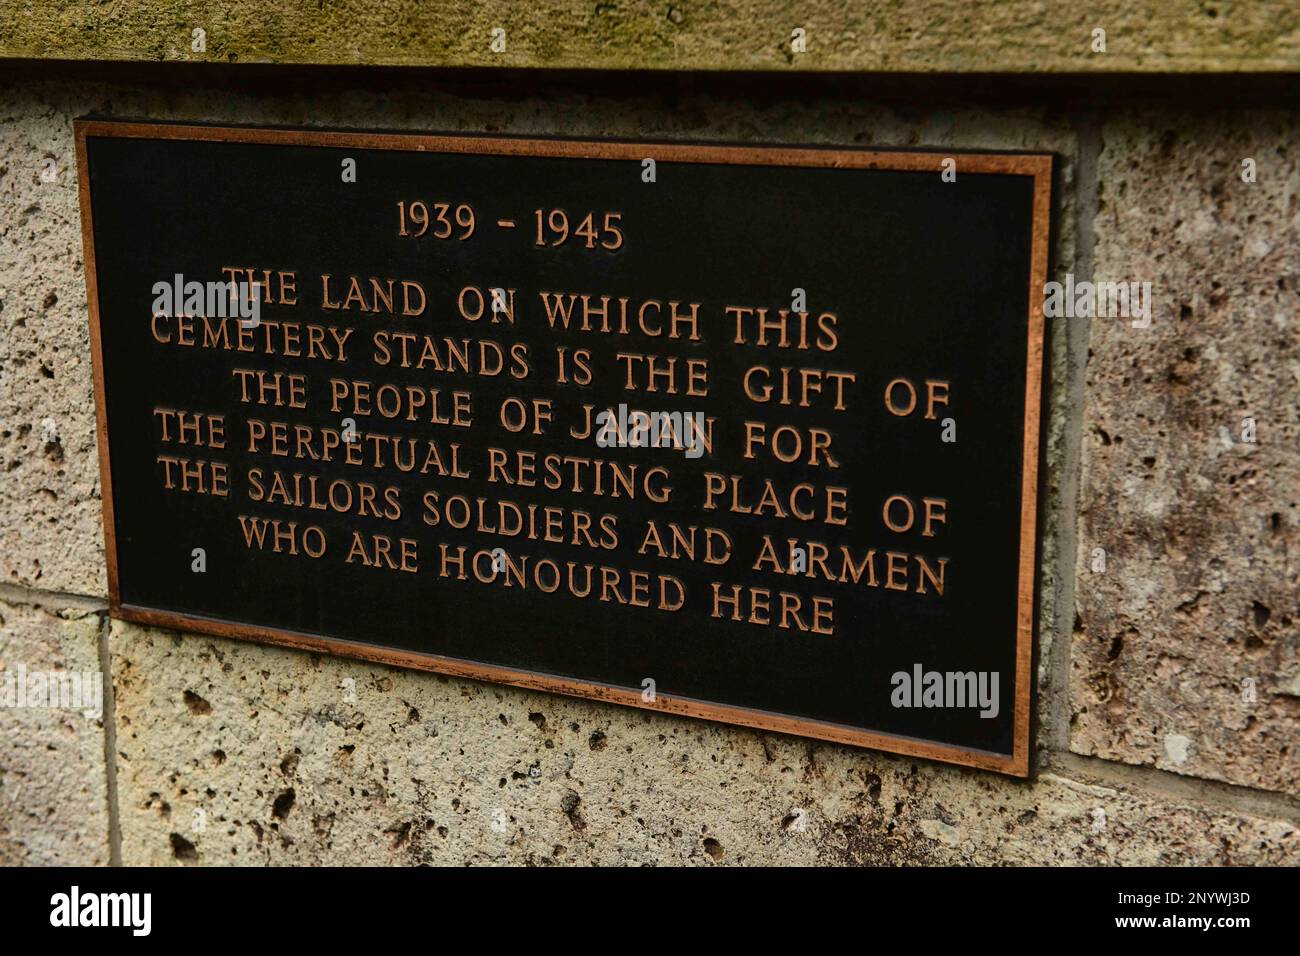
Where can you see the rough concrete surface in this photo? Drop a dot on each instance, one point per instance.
(230, 753)
(50, 528)
(926, 36)
(53, 786)
(1185, 647)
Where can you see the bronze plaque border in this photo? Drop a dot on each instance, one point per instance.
(1036, 165)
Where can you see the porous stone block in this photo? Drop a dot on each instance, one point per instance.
(1185, 645)
(53, 785)
(236, 753)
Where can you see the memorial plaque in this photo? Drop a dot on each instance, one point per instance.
(743, 433)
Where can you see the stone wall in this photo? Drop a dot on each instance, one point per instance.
(920, 36)
(1168, 698)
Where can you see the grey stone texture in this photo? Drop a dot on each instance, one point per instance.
(1185, 647)
(293, 758)
(51, 534)
(53, 784)
(926, 36)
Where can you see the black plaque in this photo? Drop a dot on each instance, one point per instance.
(893, 548)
